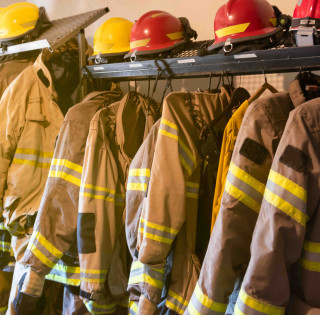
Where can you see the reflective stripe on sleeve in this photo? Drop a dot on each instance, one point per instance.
(67, 170)
(3, 310)
(142, 273)
(192, 190)
(186, 157)
(32, 157)
(64, 274)
(310, 259)
(244, 187)
(5, 247)
(138, 179)
(176, 303)
(157, 232)
(46, 252)
(96, 309)
(248, 305)
(201, 304)
(102, 193)
(133, 307)
(287, 196)
(93, 275)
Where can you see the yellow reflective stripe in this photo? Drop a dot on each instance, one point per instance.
(168, 134)
(31, 163)
(242, 197)
(192, 195)
(159, 227)
(174, 307)
(137, 186)
(286, 207)
(110, 199)
(3, 308)
(178, 297)
(94, 271)
(47, 245)
(60, 279)
(310, 265)
(139, 172)
(274, 21)
(247, 178)
(169, 123)
(2, 227)
(188, 152)
(311, 247)
(133, 305)
(41, 256)
(156, 237)
(138, 264)
(192, 310)
(237, 311)
(92, 280)
(68, 164)
(259, 305)
(108, 190)
(34, 152)
(139, 43)
(146, 279)
(289, 185)
(174, 36)
(234, 29)
(209, 303)
(67, 269)
(185, 164)
(69, 178)
(193, 185)
(104, 309)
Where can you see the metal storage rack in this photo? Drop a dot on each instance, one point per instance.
(188, 65)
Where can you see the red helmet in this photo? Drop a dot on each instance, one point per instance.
(241, 21)
(306, 13)
(156, 32)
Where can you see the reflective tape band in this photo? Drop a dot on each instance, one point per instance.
(146, 279)
(159, 227)
(95, 308)
(3, 310)
(289, 185)
(311, 247)
(133, 307)
(192, 190)
(139, 172)
(45, 243)
(247, 178)
(169, 123)
(67, 177)
(176, 303)
(230, 30)
(137, 187)
(286, 207)
(248, 305)
(32, 157)
(310, 265)
(175, 36)
(139, 43)
(68, 164)
(242, 197)
(63, 280)
(34, 152)
(43, 258)
(5, 246)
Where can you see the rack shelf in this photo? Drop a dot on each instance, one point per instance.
(255, 62)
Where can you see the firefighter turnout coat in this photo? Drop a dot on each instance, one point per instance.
(115, 135)
(163, 191)
(285, 251)
(52, 247)
(228, 252)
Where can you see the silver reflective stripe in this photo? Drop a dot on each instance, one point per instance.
(31, 157)
(247, 310)
(194, 304)
(287, 196)
(244, 187)
(148, 271)
(150, 230)
(315, 257)
(169, 129)
(186, 157)
(66, 170)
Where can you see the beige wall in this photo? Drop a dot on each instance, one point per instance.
(199, 12)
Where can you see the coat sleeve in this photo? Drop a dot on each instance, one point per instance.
(55, 226)
(163, 210)
(290, 201)
(228, 251)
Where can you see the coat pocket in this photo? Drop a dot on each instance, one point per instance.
(86, 233)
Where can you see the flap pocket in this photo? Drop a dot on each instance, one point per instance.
(10, 201)
(36, 117)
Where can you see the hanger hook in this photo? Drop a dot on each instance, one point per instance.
(209, 85)
(265, 77)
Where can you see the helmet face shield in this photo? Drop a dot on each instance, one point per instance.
(233, 24)
(112, 38)
(17, 20)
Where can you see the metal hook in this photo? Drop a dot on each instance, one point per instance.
(209, 85)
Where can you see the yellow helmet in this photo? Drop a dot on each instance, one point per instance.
(17, 20)
(112, 37)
